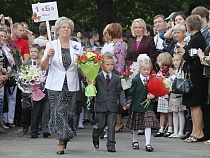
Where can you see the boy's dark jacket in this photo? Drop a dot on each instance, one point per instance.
(108, 96)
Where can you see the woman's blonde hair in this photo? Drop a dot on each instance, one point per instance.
(165, 58)
(60, 21)
(142, 23)
(179, 27)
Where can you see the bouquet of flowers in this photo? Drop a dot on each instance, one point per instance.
(158, 86)
(30, 79)
(90, 65)
(126, 79)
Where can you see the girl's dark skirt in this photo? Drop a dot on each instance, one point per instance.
(142, 120)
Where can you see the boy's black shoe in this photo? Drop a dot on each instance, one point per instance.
(46, 134)
(34, 136)
(111, 150)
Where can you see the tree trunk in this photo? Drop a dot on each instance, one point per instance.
(105, 15)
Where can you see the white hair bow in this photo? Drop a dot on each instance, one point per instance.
(142, 57)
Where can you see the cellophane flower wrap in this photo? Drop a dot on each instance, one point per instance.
(30, 79)
(90, 65)
(126, 78)
(158, 86)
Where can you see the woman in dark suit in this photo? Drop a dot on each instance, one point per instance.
(141, 44)
(195, 99)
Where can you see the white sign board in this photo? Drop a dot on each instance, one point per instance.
(45, 11)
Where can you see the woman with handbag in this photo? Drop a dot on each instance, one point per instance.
(205, 60)
(196, 98)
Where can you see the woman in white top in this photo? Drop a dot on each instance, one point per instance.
(62, 81)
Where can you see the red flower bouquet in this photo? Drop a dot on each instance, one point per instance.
(158, 86)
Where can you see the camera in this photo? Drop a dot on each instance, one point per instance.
(3, 71)
(193, 52)
(6, 18)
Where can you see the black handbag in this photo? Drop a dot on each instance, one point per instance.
(182, 85)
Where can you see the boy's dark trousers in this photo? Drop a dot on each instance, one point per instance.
(40, 107)
(104, 119)
(26, 111)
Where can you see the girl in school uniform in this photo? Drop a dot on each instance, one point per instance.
(141, 118)
(164, 61)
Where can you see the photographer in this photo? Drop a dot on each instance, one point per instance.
(192, 64)
(3, 20)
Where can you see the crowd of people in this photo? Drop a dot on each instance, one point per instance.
(177, 47)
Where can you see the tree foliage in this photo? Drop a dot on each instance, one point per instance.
(96, 14)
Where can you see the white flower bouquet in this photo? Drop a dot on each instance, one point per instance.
(30, 80)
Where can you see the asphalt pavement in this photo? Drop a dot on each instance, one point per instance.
(15, 144)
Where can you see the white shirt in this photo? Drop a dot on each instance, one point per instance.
(142, 78)
(110, 74)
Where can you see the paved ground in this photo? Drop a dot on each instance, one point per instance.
(16, 145)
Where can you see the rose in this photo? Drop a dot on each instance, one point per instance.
(83, 59)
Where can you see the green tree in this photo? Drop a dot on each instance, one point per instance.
(96, 14)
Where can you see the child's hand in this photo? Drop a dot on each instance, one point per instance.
(150, 96)
(125, 107)
(89, 82)
(171, 71)
(128, 105)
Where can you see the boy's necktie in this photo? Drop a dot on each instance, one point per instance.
(145, 81)
(107, 79)
(34, 62)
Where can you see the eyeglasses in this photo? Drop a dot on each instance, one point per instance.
(66, 27)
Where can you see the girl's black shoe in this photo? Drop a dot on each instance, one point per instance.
(135, 145)
(149, 148)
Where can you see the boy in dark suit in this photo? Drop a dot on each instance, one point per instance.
(38, 108)
(109, 92)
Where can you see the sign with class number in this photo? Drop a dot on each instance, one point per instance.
(44, 11)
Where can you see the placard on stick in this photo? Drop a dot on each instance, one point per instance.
(45, 12)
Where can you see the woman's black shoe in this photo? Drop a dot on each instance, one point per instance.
(60, 152)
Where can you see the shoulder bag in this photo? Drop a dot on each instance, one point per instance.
(182, 85)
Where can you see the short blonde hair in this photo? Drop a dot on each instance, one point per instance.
(178, 54)
(60, 21)
(108, 56)
(179, 27)
(145, 62)
(142, 23)
(165, 58)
